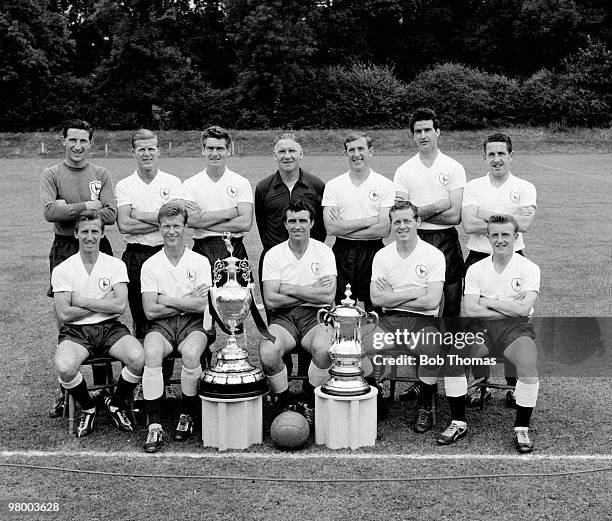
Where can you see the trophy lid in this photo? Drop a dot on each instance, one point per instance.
(347, 307)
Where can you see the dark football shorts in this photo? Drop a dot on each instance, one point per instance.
(354, 264)
(98, 338)
(392, 321)
(499, 334)
(65, 246)
(134, 257)
(298, 321)
(176, 329)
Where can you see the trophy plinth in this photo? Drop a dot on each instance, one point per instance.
(233, 376)
(346, 350)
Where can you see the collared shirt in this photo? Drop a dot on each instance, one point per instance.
(271, 199)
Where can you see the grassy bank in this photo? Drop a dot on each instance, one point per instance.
(259, 142)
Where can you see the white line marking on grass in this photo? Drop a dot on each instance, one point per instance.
(304, 456)
(604, 178)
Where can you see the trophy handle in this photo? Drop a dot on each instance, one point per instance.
(323, 316)
(371, 318)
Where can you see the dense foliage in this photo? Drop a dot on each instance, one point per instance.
(304, 63)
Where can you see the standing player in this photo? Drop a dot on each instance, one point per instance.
(407, 281)
(90, 292)
(500, 292)
(498, 192)
(299, 277)
(434, 182)
(218, 200)
(356, 210)
(68, 188)
(139, 198)
(273, 194)
(175, 284)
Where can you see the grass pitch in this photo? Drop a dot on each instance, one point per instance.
(570, 240)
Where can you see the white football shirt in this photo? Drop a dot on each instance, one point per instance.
(505, 199)
(71, 275)
(227, 192)
(520, 274)
(280, 263)
(359, 202)
(427, 185)
(425, 264)
(147, 198)
(160, 276)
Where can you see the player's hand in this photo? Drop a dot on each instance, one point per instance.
(334, 214)
(93, 205)
(526, 211)
(61, 201)
(201, 291)
(110, 294)
(382, 284)
(520, 296)
(193, 211)
(325, 281)
(76, 299)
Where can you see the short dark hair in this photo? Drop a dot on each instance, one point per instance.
(498, 137)
(299, 205)
(423, 114)
(216, 132)
(404, 205)
(354, 136)
(86, 216)
(502, 219)
(142, 134)
(79, 124)
(172, 209)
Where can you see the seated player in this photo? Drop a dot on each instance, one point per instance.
(90, 292)
(500, 292)
(175, 284)
(407, 282)
(299, 277)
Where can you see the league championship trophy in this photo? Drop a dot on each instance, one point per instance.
(346, 351)
(233, 376)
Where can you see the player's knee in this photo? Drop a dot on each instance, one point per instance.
(67, 368)
(135, 357)
(153, 355)
(191, 356)
(270, 353)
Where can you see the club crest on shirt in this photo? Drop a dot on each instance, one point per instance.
(164, 193)
(420, 270)
(444, 178)
(314, 267)
(191, 276)
(517, 284)
(515, 197)
(104, 284)
(374, 195)
(232, 191)
(95, 187)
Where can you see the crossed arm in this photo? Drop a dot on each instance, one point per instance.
(281, 295)
(71, 305)
(417, 299)
(442, 211)
(475, 219)
(236, 220)
(482, 307)
(156, 305)
(376, 227)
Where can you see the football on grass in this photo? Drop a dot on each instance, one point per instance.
(289, 430)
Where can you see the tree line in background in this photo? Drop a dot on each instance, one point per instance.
(180, 64)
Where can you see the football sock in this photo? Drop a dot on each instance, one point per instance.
(511, 380)
(189, 405)
(78, 389)
(457, 407)
(526, 395)
(190, 379)
(279, 382)
(125, 387)
(523, 416)
(153, 410)
(152, 383)
(316, 375)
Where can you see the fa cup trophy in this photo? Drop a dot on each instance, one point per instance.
(346, 351)
(233, 375)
